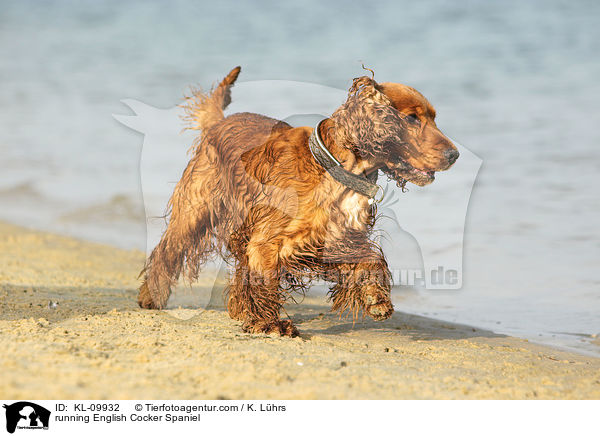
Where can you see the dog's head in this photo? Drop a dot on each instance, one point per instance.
(392, 127)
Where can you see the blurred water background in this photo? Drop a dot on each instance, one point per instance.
(516, 82)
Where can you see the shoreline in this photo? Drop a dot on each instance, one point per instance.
(97, 344)
(591, 350)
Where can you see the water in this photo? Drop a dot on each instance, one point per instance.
(515, 82)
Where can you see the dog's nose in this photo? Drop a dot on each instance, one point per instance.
(451, 155)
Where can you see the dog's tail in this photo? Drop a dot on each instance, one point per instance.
(204, 110)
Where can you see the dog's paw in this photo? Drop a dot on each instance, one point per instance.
(145, 300)
(378, 304)
(380, 311)
(281, 327)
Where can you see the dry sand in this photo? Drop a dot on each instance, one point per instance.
(97, 344)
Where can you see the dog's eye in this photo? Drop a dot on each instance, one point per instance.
(414, 118)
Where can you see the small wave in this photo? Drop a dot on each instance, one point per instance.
(21, 190)
(118, 207)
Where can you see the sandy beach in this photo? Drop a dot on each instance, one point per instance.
(97, 344)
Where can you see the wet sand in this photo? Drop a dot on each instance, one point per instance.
(97, 344)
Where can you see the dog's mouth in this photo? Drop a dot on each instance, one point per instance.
(403, 172)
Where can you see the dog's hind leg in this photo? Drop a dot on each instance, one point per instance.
(179, 244)
(186, 241)
(254, 296)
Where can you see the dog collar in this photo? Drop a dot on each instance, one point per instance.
(364, 185)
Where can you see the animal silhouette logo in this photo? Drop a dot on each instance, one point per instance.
(26, 415)
(430, 219)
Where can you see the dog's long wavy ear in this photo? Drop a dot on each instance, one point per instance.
(366, 119)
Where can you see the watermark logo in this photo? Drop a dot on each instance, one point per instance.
(427, 220)
(25, 415)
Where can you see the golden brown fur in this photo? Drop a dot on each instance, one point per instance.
(254, 194)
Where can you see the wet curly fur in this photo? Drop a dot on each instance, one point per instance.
(254, 194)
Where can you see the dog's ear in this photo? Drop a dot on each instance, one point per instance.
(367, 119)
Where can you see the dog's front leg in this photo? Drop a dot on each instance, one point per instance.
(254, 296)
(363, 280)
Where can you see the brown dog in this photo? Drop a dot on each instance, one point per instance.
(274, 200)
